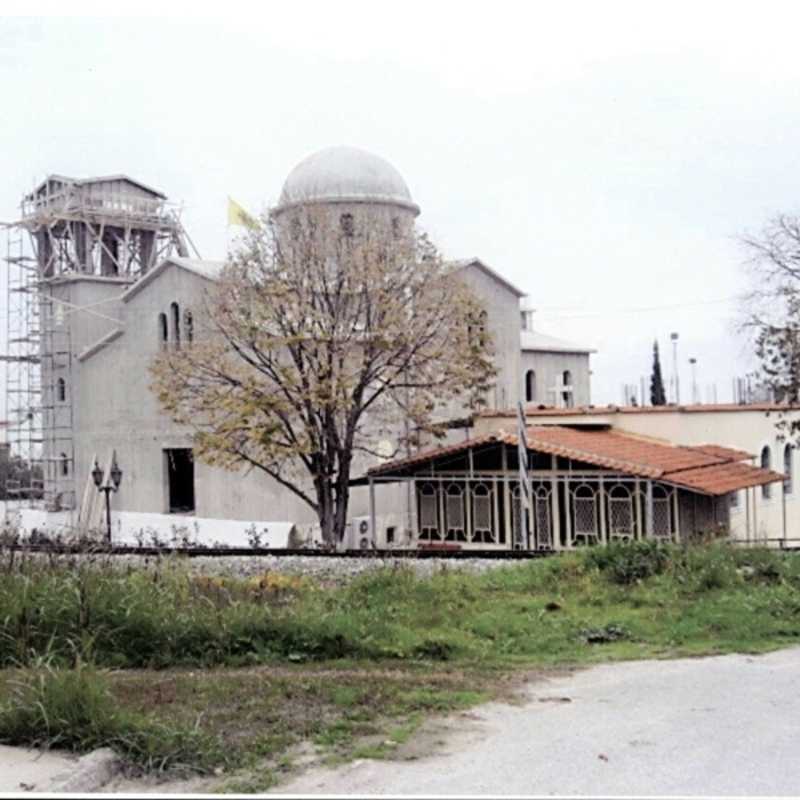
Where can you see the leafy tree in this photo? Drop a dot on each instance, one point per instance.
(658, 397)
(316, 343)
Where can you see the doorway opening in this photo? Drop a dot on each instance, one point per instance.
(180, 480)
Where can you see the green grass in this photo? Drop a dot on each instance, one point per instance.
(210, 673)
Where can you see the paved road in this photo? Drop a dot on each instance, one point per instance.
(727, 725)
(24, 770)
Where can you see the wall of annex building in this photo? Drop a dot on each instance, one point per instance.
(740, 428)
(549, 370)
(502, 309)
(120, 412)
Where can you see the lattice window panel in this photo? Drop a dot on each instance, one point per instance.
(454, 513)
(620, 512)
(482, 514)
(584, 512)
(662, 518)
(428, 516)
(542, 515)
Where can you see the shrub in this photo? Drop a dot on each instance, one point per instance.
(628, 562)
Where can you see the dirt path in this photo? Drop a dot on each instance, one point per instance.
(728, 725)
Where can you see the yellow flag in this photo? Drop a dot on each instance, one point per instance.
(238, 216)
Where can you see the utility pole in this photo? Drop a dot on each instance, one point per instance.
(674, 337)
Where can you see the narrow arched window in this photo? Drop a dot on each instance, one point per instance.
(530, 386)
(64, 464)
(766, 463)
(347, 224)
(566, 392)
(61, 390)
(188, 326)
(163, 332)
(176, 324)
(788, 469)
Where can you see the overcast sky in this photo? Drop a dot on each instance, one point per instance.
(603, 156)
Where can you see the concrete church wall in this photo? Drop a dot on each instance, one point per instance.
(119, 411)
(502, 308)
(549, 369)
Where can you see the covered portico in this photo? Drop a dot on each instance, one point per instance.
(582, 486)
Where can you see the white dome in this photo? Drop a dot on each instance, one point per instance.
(345, 175)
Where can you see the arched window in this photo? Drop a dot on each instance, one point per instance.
(188, 326)
(61, 390)
(620, 511)
(176, 323)
(64, 464)
(567, 390)
(788, 468)
(455, 527)
(347, 224)
(428, 514)
(395, 227)
(482, 530)
(766, 462)
(163, 332)
(530, 386)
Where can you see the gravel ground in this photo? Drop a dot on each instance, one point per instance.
(329, 570)
(718, 726)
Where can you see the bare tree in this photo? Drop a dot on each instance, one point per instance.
(319, 339)
(772, 306)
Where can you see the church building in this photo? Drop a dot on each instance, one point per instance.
(117, 281)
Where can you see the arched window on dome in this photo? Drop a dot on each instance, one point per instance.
(530, 386)
(347, 225)
(176, 323)
(766, 463)
(188, 326)
(163, 330)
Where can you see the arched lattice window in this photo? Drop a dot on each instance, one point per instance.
(188, 326)
(176, 323)
(584, 512)
(620, 511)
(766, 463)
(482, 530)
(454, 513)
(530, 386)
(788, 469)
(61, 390)
(428, 516)
(163, 330)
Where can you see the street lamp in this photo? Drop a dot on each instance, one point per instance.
(674, 337)
(115, 473)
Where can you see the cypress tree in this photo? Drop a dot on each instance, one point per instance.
(658, 396)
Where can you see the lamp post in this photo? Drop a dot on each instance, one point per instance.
(695, 393)
(115, 475)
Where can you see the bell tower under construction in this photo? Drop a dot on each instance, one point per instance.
(77, 246)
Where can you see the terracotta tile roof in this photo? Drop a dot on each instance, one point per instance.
(724, 478)
(709, 469)
(723, 452)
